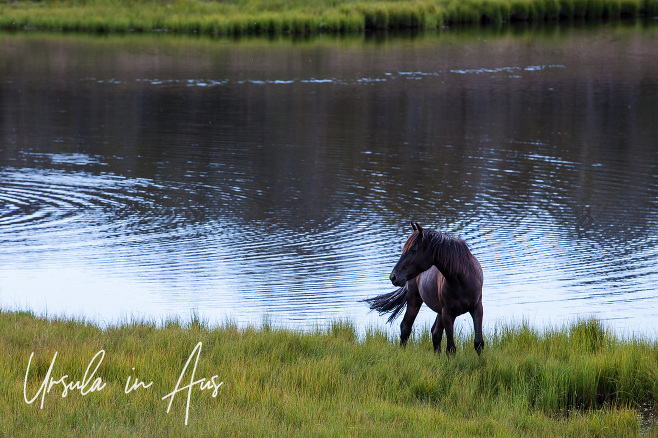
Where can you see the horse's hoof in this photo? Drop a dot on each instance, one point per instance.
(479, 346)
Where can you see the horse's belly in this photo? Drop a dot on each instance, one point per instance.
(429, 284)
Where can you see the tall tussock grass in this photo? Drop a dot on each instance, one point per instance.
(572, 381)
(583, 366)
(232, 17)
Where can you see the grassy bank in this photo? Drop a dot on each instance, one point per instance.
(236, 17)
(577, 381)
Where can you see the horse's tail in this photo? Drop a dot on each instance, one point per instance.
(394, 302)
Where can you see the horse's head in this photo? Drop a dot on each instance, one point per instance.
(416, 258)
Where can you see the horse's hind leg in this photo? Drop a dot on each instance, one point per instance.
(477, 315)
(414, 301)
(448, 324)
(437, 333)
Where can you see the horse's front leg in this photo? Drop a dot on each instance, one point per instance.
(448, 324)
(414, 302)
(437, 333)
(407, 323)
(477, 315)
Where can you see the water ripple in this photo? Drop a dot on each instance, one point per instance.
(62, 205)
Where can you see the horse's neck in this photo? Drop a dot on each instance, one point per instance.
(447, 266)
(447, 273)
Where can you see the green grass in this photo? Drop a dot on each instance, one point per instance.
(238, 17)
(576, 381)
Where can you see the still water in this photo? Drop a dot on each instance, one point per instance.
(153, 176)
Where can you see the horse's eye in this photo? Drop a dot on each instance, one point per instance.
(412, 250)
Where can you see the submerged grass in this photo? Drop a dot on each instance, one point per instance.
(576, 381)
(237, 17)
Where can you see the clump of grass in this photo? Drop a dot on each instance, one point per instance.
(574, 381)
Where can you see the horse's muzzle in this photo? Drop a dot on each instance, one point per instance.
(396, 281)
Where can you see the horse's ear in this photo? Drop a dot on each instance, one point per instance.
(419, 229)
(413, 225)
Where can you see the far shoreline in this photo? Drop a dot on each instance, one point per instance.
(301, 18)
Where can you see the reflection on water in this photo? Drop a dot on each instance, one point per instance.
(157, 176)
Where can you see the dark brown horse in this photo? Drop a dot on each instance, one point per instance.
(440, 271)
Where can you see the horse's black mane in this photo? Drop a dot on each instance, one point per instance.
(453, 252)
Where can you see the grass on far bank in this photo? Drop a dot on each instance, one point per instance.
(577, 381)
(238, 17)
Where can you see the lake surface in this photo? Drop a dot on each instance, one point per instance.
(153, 176)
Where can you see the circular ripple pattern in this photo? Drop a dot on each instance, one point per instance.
(66, 209)
(180, 247)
